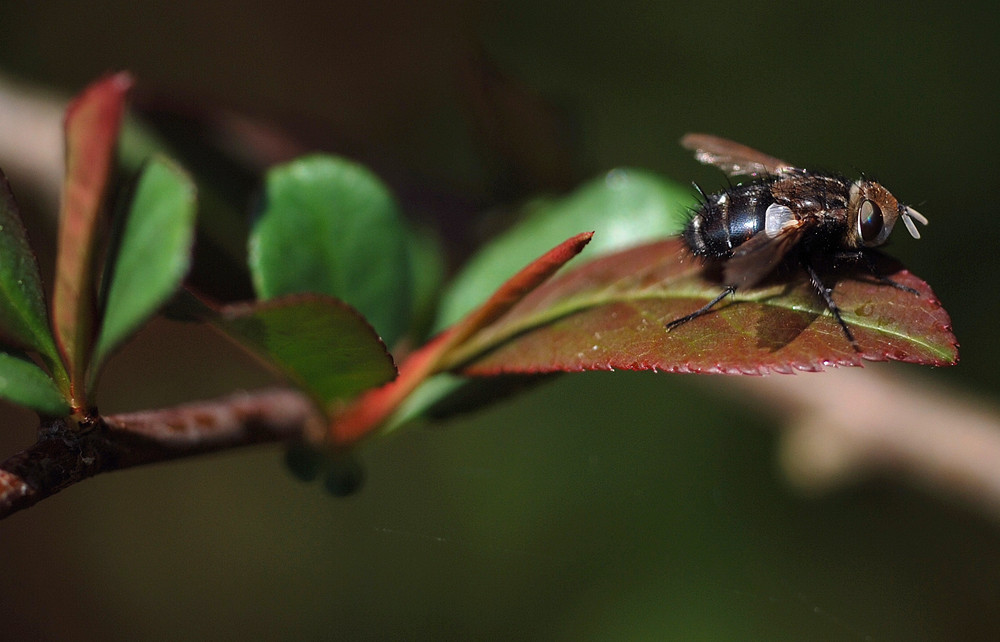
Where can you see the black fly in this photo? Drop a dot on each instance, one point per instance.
(786, 213)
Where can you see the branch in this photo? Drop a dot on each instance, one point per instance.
(31, 138)
(848, 423)
(836, 427)
(63, 456)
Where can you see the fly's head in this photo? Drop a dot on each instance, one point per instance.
(871, 214)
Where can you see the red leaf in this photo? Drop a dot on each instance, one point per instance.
(611, 313)
(519, 285)
(377, 405)
(92, 123)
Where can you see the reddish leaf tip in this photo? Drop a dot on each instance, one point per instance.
(116, 84)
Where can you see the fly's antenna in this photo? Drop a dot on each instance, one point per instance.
(908, 214)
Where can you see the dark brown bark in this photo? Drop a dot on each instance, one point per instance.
(65, 455)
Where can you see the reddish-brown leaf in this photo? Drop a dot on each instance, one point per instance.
(373, 407)
(92, 123)
(610, 314)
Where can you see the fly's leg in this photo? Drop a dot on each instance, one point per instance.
(826, 294)
(874, 271)
(730, 289)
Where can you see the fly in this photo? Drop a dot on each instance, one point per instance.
(786, 214)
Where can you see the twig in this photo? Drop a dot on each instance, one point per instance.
(63, 456)
(837, 426)
(31, 138)
(852, 422)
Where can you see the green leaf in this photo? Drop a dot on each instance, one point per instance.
(154, 254)
(23, 318)
(427, 270)
(224, 186)
(24, 383)
(625, 207)
(329, 226)
(92, 123)
(322, 345)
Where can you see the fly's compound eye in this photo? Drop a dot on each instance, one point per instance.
(870, 223)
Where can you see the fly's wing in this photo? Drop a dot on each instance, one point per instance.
(755, 259)
(733, 158)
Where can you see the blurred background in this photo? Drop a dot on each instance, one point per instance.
(601, 506)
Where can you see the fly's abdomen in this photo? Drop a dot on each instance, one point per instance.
(728, 219)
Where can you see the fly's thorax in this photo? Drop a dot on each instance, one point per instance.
(813, 196)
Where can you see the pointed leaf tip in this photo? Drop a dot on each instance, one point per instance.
(624, 206)
(518, 286)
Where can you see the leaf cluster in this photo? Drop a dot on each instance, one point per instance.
(339, 274)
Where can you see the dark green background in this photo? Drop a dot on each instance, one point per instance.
(604, 506)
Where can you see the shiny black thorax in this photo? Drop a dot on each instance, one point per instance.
(730, 218)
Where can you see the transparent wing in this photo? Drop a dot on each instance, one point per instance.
(733, 158)
(755, 259)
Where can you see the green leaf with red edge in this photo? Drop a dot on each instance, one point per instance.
(92, 124)
(376, 406)
(320, 344)
(610, 314)
(24, 321)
